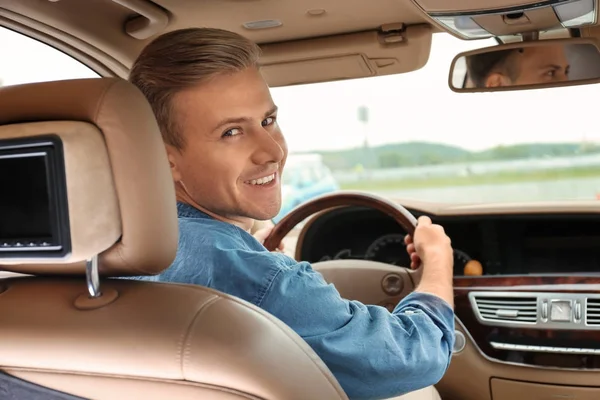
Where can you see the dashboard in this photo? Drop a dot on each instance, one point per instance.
(531, 314)
(519, 244)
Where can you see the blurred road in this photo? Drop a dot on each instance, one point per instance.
(567, 189)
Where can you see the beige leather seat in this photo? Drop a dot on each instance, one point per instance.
(137, 340)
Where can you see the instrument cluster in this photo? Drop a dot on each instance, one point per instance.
(391, 249)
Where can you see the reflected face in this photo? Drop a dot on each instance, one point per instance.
(532, 65)
(235, 152)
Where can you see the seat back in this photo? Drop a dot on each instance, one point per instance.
(72, 327)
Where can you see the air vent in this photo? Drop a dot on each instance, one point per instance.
(536, 310)
(592, 313)
(515, 310)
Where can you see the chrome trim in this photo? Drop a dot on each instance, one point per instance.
(508, 315)
(92, 277)
(544, 349)
(544, 311)
(459, 343)
(494, 360)
(577, 313)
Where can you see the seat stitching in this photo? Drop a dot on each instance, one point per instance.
(302, 345)
(184, 350)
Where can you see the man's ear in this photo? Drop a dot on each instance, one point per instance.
(174, 156)
(496, 80)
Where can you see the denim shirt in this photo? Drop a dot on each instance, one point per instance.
(373, 353)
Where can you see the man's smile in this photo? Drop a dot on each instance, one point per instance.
(262, 181)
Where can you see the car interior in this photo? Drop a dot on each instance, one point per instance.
(87, 196)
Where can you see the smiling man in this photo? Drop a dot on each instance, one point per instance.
(227, 155)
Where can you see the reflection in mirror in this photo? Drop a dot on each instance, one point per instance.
(541, 64)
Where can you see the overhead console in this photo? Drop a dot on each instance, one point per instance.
(34, 218)
(472, 19)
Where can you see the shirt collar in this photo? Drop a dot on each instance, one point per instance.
(187, 211)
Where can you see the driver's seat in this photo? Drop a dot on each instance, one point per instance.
(136, 340)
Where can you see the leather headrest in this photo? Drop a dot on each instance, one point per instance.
(121, 199)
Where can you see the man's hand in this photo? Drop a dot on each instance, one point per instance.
(415, 260)
(430, 243)
(262, 234)
(432, 248)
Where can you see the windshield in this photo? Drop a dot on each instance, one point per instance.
(409, 136)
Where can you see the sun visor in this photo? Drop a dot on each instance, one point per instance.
(472, 19)
(394, 49)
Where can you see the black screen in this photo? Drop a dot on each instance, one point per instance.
(24, 197)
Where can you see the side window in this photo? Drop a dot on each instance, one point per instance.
(26, 60)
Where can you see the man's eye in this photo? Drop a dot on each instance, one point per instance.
(232, 132)
(268, 121)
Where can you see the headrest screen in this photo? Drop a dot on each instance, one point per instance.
(33, 202)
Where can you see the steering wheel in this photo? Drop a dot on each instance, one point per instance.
(400, 214)
(368, 281)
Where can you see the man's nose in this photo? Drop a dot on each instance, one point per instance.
(561, 77)
(270, 146)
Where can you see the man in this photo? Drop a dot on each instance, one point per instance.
(227, 154)
(520, 66)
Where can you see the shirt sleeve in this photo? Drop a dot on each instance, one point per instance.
(373, 353)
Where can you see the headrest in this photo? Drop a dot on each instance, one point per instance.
(111, 168)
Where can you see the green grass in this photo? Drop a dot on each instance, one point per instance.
(498, 178)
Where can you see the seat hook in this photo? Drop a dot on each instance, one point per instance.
(92, 277)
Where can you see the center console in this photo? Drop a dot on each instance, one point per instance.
(533, 337)
(541, 321)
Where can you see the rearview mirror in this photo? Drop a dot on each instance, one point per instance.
(526, 65)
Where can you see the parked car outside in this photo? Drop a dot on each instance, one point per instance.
(305, 177)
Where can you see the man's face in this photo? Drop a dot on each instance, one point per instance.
(234, 154)
(534, 65)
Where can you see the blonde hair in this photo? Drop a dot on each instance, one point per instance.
(185, 58)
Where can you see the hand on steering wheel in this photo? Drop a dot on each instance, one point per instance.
(415, 261)
(263, 233)
(400, 214)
